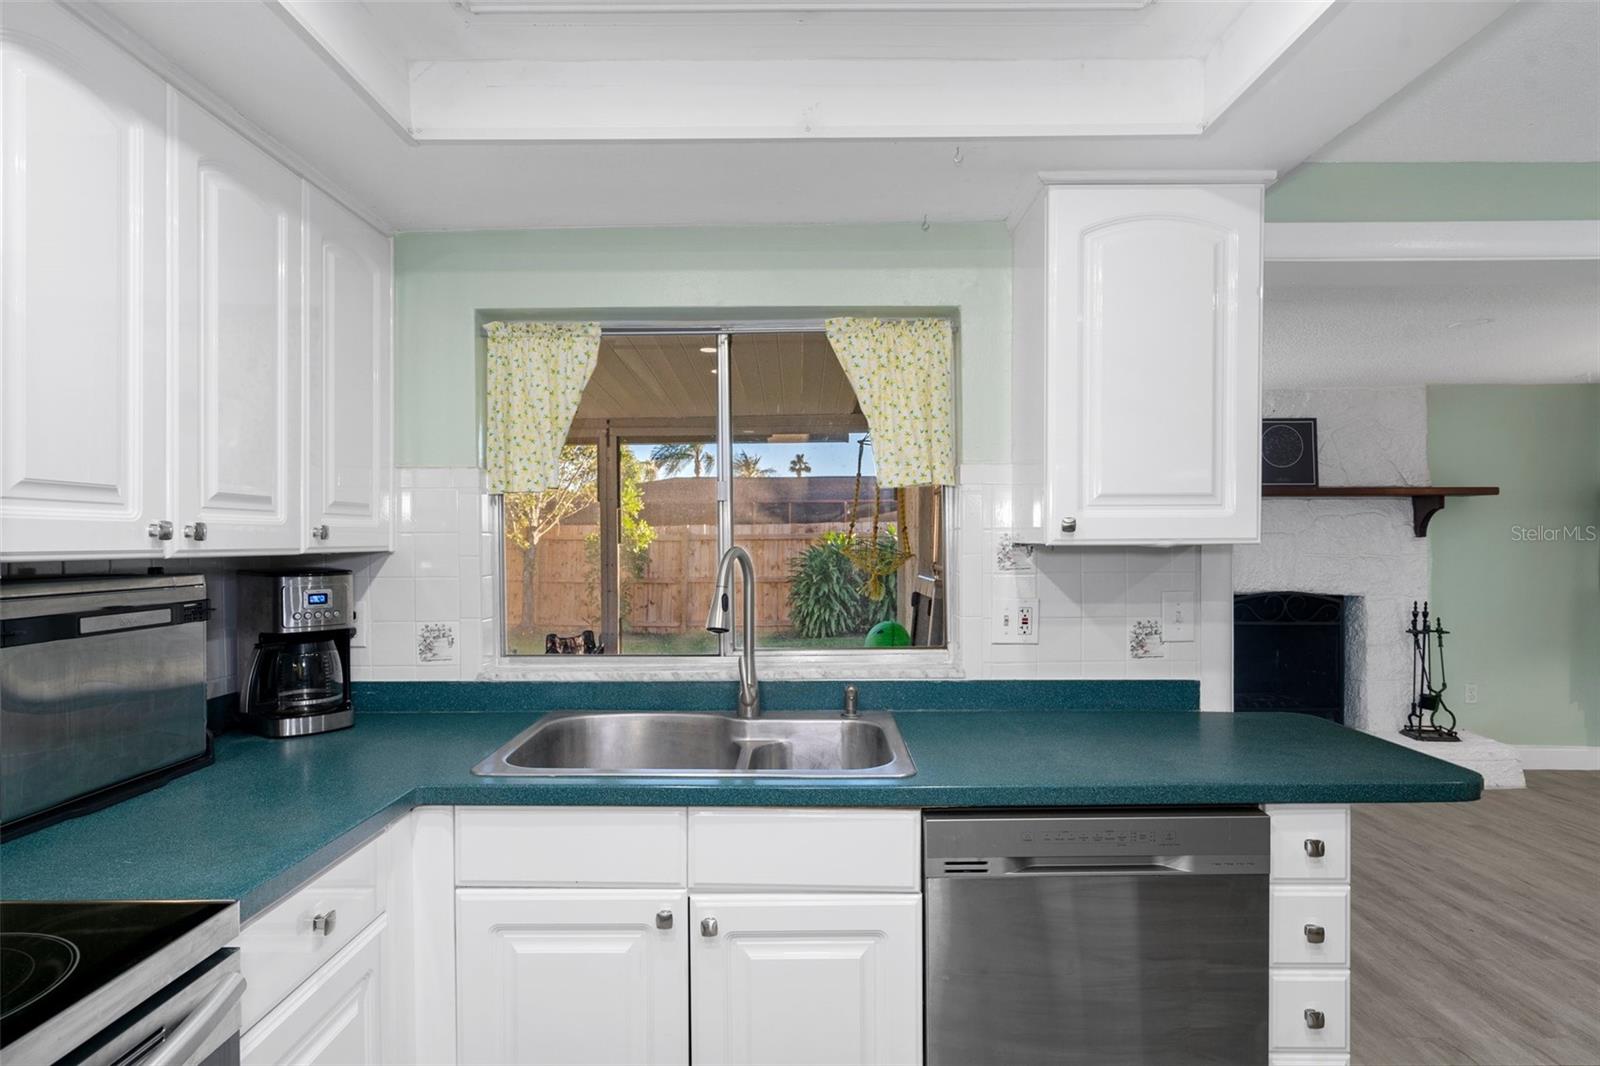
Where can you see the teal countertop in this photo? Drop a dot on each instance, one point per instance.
(269, 814)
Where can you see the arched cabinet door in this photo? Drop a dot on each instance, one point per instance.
(83, 357)
(1153, 355)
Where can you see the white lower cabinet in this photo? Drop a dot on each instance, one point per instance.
(806, 979)
(568, 978)
(334, 1018)
(1309, 998)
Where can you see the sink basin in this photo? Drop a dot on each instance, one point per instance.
(703, 744)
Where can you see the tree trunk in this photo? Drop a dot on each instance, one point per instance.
(530, 583)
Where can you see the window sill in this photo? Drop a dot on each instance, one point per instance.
(938, 665)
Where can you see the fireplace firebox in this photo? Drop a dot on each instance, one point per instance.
(1289, 653)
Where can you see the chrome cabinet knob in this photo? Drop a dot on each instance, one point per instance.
(195, 532)
(708, 927)
(1315, 934)
(160, 530)
(1069, 525)
(323, 923)
(663, 919)
(1316, 848)
(1315, 1019)
(319, 532)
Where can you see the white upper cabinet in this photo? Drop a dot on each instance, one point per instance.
(348, 434)
(1137, 375)
(83, 362)
(239, 358)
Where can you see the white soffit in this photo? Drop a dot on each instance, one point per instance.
(1431, 323)
(576, 70)
(269, 74)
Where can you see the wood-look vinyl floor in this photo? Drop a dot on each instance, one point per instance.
(1475, 928)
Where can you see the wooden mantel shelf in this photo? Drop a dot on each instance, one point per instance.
(1426, 500)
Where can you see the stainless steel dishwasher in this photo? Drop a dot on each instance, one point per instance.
(1105, 938)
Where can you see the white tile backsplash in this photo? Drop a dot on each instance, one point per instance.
(431, 603)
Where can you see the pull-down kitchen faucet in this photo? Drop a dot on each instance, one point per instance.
(720, 619)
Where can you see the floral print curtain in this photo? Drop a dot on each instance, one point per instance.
(537, 373)
(901, 369)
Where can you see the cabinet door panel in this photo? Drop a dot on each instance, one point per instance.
(1154, 364)
(807, 980)
(331, 1020)
(239, 358)
(571, 977)
(349, 462)
(82, 368)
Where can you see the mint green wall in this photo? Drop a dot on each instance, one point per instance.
(1435, 192)
(1525, 612)
(443, 280)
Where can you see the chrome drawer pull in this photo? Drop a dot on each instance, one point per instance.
(1315, 1019)
(1315, 934)
(708, 927)
(1316, 848)
(663, 919)
(323, 923)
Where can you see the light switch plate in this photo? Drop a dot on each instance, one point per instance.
(1177, 617)
(1016, 621)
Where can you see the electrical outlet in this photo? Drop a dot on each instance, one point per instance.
(1016, 621)
(1472, 692)
(1177, 617)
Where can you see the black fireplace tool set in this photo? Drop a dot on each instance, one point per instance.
(1426, 696)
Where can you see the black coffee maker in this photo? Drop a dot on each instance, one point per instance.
(294, 651)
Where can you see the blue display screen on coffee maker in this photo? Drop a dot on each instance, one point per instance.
(316, 599)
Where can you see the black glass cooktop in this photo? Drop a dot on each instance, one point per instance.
(54, 954)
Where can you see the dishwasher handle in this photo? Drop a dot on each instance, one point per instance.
(1054, 867)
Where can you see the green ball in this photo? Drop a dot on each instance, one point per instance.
(890, 634)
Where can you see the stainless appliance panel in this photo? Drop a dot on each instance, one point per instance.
(103, 703)
(1123, 939)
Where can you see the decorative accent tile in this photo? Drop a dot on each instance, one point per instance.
(1011, 557)
(1144, 639)
(436, 642)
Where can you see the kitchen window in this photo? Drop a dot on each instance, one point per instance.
(684, 443)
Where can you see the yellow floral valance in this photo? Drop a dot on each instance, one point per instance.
(901, 369)
(537, 373)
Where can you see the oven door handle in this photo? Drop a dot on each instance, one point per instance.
(189, 1037)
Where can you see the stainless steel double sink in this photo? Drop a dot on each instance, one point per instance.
(703, 744)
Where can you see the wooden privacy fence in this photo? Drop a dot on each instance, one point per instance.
(675, 590)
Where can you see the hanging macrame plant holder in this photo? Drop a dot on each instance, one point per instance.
(865, 553)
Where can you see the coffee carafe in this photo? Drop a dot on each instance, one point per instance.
(294, 645)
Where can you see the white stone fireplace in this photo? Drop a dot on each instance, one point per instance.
(1363, 549)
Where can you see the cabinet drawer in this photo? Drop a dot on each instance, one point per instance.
(1296, 836)
(1298, 913)
(782, 849)
(566, 846)
(283, 946)
(1293, 994)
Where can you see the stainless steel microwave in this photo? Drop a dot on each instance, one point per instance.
(102, 691)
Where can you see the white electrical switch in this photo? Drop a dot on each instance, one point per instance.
(1016, 621)
(1177, 617)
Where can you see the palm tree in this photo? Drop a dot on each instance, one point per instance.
(670, 458)
(747, 465)
(798, 465)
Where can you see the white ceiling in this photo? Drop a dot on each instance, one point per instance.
(918, 29)
(1376, 324)
(256, 60)
(1527, 89)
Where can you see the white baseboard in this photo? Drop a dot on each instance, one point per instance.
(1558, 757)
